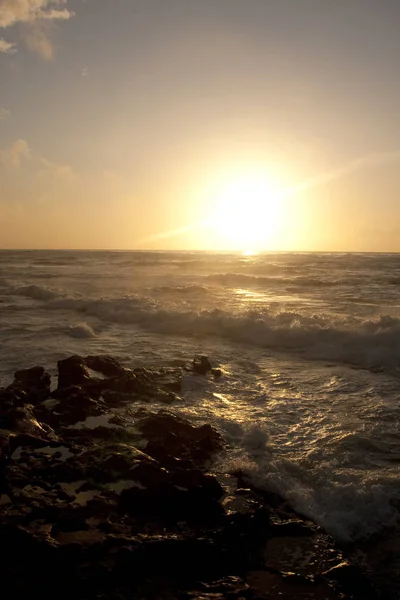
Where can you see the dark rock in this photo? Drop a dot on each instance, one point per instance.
(106, 365)
(22, 420)
(167, 501)
(292, 529)
(35, 377)
(149, 474)
(201, 365)
(178, 494)
(217, 373)
(170, 435)
(107, 462)
(30, 386)
(350, 579)
(72, 371)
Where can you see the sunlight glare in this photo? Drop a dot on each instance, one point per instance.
(248, 212)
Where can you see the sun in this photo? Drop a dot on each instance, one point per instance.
(247, 212)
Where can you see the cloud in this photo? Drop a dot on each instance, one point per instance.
(35, 16)
(37, 40)
(7, 47)
(29, 11)
(57, 171)
(4, 113)
(14, 154)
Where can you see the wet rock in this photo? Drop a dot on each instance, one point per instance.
(229, 588)
(34, 382)
(350, 579)
(279, 586)
(34, 376)
(22, 420)
(217, 373)
(10, 398)
(106, 365)
(30, 386)
(72, 371)
(201, 365)
(107, 462)
(170, 435)
(172, 495)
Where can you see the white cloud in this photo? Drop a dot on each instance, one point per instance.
(29, 11)
(35, 15)
(14, 154)
(4, 113)
(7, 47)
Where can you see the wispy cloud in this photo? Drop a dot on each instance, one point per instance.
(14, 154)
(7, 47)
(4, 113)
(35, 15)
(62, 172)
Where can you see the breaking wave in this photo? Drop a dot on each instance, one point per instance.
(367, 342)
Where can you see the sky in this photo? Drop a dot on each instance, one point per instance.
(200, 124)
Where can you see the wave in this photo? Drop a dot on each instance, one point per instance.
(81, 330)
(368, 342)
(350, 510)
(37, 292)
(181, 290)
(233, 280)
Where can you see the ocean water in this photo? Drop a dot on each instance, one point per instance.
(309, 345)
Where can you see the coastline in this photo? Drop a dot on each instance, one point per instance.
(104, 499)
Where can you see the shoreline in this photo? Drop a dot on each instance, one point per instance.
(102, 499)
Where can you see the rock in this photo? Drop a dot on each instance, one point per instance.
(35, 377)
(170, 435)
(30, 386)
(172, 495)
(106, 365)
(217, 373)
(350, 579)
(201, 365)
(72, 371)
(22, 420)
(107, 462)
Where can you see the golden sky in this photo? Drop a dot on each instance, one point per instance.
(188, 124)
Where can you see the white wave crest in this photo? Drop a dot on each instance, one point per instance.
(82, 330)
(368, 342)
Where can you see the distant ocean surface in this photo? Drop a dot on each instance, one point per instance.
(309, 345)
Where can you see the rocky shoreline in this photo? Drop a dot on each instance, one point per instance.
(102, 499)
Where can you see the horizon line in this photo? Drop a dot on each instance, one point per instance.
(199, 250)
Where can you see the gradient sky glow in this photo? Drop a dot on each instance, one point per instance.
(119, 120)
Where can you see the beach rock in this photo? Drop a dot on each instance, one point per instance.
(72, 371)
(217, 373)
(22, 420)
(350, 579)
(171, 496)
(106, 365)
(201, 365)
(30, 386)
(171, 437)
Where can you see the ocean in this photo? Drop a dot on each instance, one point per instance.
(309, 346)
